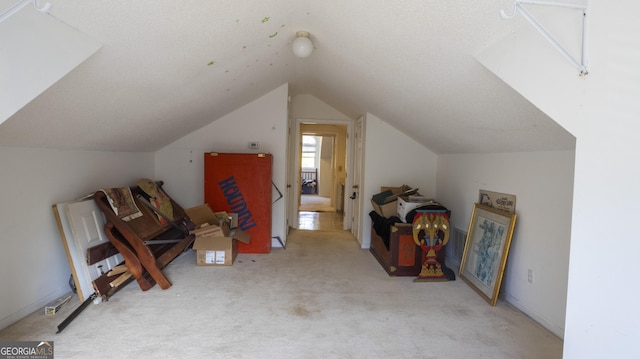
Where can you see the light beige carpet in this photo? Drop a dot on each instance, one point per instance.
(322, 297)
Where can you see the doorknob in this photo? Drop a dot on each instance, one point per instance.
(353, 196)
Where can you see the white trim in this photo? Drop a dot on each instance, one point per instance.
(514, 301)
(295, 167)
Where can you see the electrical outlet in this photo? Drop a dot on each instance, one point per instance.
(530, 276)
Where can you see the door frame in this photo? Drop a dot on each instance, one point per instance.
(357, 180)
(294, 168)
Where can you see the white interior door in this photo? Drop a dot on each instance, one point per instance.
(75, 258)
(87, 225)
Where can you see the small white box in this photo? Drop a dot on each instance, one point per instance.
(406, 205)
(53, 307)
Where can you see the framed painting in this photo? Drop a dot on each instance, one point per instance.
(486, 250)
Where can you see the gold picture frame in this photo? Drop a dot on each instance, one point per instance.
(486, 250)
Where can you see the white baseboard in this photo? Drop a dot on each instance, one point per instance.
(39, 304)
(515, 302)
(558, 331)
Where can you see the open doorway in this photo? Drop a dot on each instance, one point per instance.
(322, 172)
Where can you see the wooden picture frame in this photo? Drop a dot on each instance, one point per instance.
(486, 250)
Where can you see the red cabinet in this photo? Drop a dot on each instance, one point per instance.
(241, 183)
(402, 257)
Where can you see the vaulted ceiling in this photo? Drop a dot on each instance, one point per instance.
(167, 68)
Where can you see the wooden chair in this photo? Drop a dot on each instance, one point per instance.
(146, 243)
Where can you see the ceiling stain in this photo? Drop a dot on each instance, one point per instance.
(335, 84)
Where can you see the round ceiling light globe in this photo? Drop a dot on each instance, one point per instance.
(302, 46)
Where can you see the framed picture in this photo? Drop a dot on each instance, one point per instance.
(486, 250)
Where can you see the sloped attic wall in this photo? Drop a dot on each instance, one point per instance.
(34, 268)
(391, 158)
(601, 110)
(28, 37)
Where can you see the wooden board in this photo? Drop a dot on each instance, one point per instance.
(241, 183)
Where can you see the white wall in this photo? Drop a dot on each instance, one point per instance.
(310, 107)
(181, 164)
(543, 185)
(607, 171)
(601, 110)
(392, 159)
(33, 265)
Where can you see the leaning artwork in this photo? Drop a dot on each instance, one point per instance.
(486, 250)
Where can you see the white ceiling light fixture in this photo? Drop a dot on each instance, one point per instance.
(302, 46)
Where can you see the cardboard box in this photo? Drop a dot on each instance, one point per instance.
(385, 202)
(206, 230)
(216, 236)
(53, 307)
(409, 203)
(215, 251)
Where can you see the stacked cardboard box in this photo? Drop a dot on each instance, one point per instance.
(385, 203)
(216, 236)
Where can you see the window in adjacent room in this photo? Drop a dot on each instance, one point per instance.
(310, 151)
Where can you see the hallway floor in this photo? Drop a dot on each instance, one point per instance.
(320, 221)
(316, 213)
